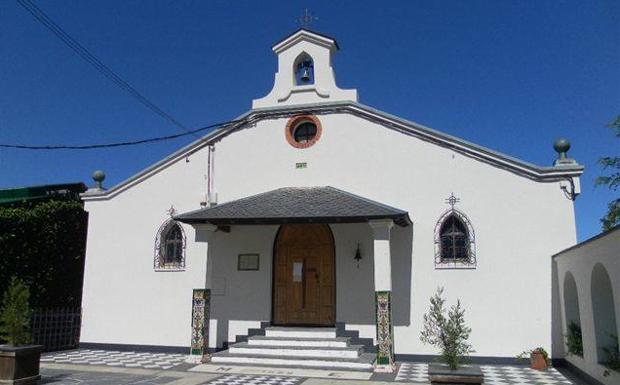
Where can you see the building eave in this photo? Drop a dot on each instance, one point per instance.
(292, 205)
(302, 33)
(588, 241)
(526, 169)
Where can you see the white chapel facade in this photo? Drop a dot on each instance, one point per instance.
(314, 210)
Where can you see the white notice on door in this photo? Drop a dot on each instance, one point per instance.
(297, 271)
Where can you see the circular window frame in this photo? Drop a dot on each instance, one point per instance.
(295, 122)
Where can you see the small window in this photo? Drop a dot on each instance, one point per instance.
(454, 242)
(170, 247)
(304, 132)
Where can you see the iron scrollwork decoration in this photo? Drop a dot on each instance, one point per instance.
(169, 252)
(455, 241)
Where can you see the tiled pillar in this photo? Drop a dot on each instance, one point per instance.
(383, 296)
(201, 301)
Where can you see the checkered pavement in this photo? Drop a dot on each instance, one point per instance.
(234, 379)
(116, 358)
(493, 375)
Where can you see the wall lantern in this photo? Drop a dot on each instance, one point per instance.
(358, 256)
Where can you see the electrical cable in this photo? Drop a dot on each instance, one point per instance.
(44, 19)
(118, 144)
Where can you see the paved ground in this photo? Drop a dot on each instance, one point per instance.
(144, 360)
(99, 367)
(493, 375)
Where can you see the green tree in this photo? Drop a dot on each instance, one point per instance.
(611, 164)
(448, 332)
(15, 313)
(43, 243)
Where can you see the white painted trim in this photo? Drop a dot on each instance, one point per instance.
(291, 362)
(526, 169)
(300, 333)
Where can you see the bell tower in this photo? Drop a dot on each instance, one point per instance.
(305, 74)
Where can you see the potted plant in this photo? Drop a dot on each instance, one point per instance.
(539, 358)
(446, 330)
(19, 361)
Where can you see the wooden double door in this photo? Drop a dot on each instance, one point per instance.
(304, 276)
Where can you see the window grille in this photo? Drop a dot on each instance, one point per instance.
(170, 247)
(454, 241)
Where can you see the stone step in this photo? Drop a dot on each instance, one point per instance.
(245, 348)
(362, 363)
(338, 342)
(300, 332)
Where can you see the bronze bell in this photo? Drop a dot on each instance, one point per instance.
(305, 77)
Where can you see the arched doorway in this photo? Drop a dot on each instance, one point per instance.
(304, 279)
(603, 311)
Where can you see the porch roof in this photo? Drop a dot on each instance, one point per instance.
(296, 205)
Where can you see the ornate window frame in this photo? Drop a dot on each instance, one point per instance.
(471, 262)
(158, 259)
(295, 122)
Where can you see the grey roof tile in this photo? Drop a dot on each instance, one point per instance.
(297, 205)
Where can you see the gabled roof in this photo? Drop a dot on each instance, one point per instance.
(304, 33)
(486, 155)
(296, 205)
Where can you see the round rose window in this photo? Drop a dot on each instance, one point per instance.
(303, 131)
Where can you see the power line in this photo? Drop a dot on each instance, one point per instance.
(44, 19)
(119, 144)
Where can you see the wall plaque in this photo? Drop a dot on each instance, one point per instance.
(248, 262)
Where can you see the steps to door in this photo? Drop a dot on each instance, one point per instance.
(298, 347)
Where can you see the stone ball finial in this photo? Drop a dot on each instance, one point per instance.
(561, 146)
(98, 177)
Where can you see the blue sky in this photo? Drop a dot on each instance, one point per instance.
(509, 75)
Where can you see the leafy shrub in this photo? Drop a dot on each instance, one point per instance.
(613, 354)
(574, 341)
(15, 313)
(448, 332)
(44, 245)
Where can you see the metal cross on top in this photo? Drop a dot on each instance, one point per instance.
(452, 200)
(171, 211)
(306, 19)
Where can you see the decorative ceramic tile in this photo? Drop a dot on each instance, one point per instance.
(385, 331)
(201, 299)
(493, 375)
(115, 358)
(235, 379)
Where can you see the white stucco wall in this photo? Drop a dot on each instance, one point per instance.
(581, 262)
(518, 223)
(125, 301)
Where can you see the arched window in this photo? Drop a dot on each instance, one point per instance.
(304, 70)
(454, 241)
(170, 247)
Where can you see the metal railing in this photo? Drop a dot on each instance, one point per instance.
(56, 328)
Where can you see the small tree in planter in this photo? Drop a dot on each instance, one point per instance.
(19, 362)
(15, 314)
(446, 330)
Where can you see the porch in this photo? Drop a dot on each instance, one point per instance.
(312, 257)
